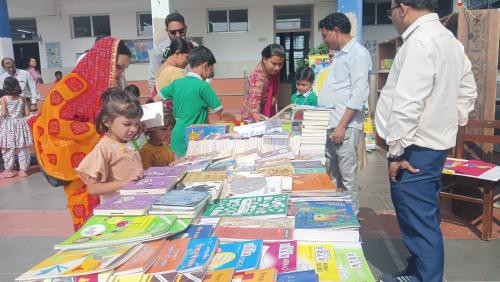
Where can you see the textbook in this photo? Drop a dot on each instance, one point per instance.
(200, 131)
(177, 171)
(126, 205)
(255, 186)
(142, 260)
(181, 200)
(205, 176)
(248, 228)
(198, 254)
(223, 275)
(149, 185)
(312, 182)
(169, 256)
(351, 263)
(262, 206)
(299, 276)
(196, 231)
(318, 257)
(330, 215)
(214, 188)
(280, 255)
(260, 275)
(241, 256)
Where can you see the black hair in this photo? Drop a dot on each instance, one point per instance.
(114, 103)
(304, 73)
(58, 72)
(201, 55)
(11, 86)
(7, 59)
(168, 118)
(336, 20)
(134, 90)
(431, 5)
(273, 50)
(178, 44)
(174, 17)
(123, 49)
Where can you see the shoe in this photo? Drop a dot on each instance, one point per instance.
(22, 173)
(388, 277)
(7, 174)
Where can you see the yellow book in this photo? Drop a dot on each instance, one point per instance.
(126, 278)
(318, 257)
(223, 275)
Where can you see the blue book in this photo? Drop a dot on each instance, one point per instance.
(195, 232)
(299, 276)
(188, 200)
(241, 256)
(330, 215)
(200, 131)
(198, 254)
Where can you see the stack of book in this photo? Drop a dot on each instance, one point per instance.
(314, 131)
(156, 181)
(183, 204)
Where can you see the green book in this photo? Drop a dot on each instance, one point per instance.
(109, 230)
(262, 206)
(351, 263)
(309, 170)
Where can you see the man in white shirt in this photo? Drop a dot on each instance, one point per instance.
(430, 90)
(346, 90)
(25, 79)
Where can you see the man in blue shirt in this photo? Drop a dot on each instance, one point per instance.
(346, 90)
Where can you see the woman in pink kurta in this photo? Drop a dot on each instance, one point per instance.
(263, 85)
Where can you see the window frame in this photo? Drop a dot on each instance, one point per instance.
(376, 2)
(72, 24)
(138, 20)
(228, 22)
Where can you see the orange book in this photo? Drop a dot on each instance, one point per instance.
(261, 275)
(312, 182)
(223, 275)
(142, 260)
(170, 256)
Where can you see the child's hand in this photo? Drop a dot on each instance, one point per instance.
(136, 175)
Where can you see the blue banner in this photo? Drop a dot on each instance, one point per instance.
(4, 20)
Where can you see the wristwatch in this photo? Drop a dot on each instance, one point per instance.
(394, 158)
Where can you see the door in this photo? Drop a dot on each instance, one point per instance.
(23, 52)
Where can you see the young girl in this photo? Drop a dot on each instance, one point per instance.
(15, 134)
(157, 151)
(304, 80)
(112, 164)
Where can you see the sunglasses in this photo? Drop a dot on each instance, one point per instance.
(389, 11)
(181, 31)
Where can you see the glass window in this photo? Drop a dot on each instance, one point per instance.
(82, 27)
(238, 20)
(101, 25)
(145, 24)
(382, 17)
(217, 21)
(369, 13)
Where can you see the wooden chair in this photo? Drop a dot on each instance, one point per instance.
(486, 187)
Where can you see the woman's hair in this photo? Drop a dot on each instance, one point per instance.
(168, 118)
(114, 103)
(273, 50)
(123, 49)
(134, 90)
(304, 73)
(201, 55)
(11, 86)
(178, 44)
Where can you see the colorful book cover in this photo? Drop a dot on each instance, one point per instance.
(310, 170)
(199, 131)
(469, 167)
(213, 188)
(261, 275)
(285, 170)
(325, 215)
(271, 229)
(352, 265)
(308, 164)
(126, 205)
(169, 257)
(222, 165)
(134, 277)
(166, 171)
(223, 275)
(280, 255)
(196, 231)
(205, 176)
(164, 277)
(142, 259)
(78, 262)
(108, 230)
(198, 254)
(318, 257)
(299, 276)
(241, 256)
(312, 182)
(269, 206)
(149, 185)
(196, 276)
(96, 277)
(182, 198)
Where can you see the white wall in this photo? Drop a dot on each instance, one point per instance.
(378, 34)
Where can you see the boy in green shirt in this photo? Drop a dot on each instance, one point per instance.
(191, 97)
(304, 80)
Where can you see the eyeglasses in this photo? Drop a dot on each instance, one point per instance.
(389, 11)
(181, 32)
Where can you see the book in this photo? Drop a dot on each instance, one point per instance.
(260, 275)
(318, 215)
(262, 206)
(351, 263)
(196, 231)
(68, 263)
(126, 205)
(241, 256)
(276, 154)
(285, 170)
(468, 167)
(126, 277)
(298, 276)
(256, 186)
(222, 165)
(318, 170)
(280, 255)
(205, 176)
(149, 185)
(142, 260)
(320, 258)
(312, 182)
(109, 230)
(199, 131)
(163, 277)
(153, 114)
(182, 200)
(169, 256)
(196, 276)
(177, 171)
(248, 228)
(223, 275)
(198, 254)
(214, 188)
(307, 164)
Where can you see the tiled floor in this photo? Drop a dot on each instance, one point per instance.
(33, 218)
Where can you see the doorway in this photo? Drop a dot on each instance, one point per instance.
(25, 39)
(23, 52)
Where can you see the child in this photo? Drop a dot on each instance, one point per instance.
(191, 97)
(15, 134)
(112, 164)
(157, 152)
(304, 80)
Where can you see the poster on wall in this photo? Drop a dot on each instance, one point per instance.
(53, 52)
(139, 49)
(318, 63)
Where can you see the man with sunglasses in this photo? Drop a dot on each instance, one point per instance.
(429, 92)
(175, 27)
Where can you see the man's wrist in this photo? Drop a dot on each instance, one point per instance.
(394, 158)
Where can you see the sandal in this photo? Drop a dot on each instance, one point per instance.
(7, 174)
(22, 173)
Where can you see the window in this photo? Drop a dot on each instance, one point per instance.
(369, 13)
(91, 26)
(144, 24)
(374, 12)
(382, 17)
(228, 20)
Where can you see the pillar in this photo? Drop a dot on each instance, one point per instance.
(6, 49)
(353, 9)
(159, 10)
